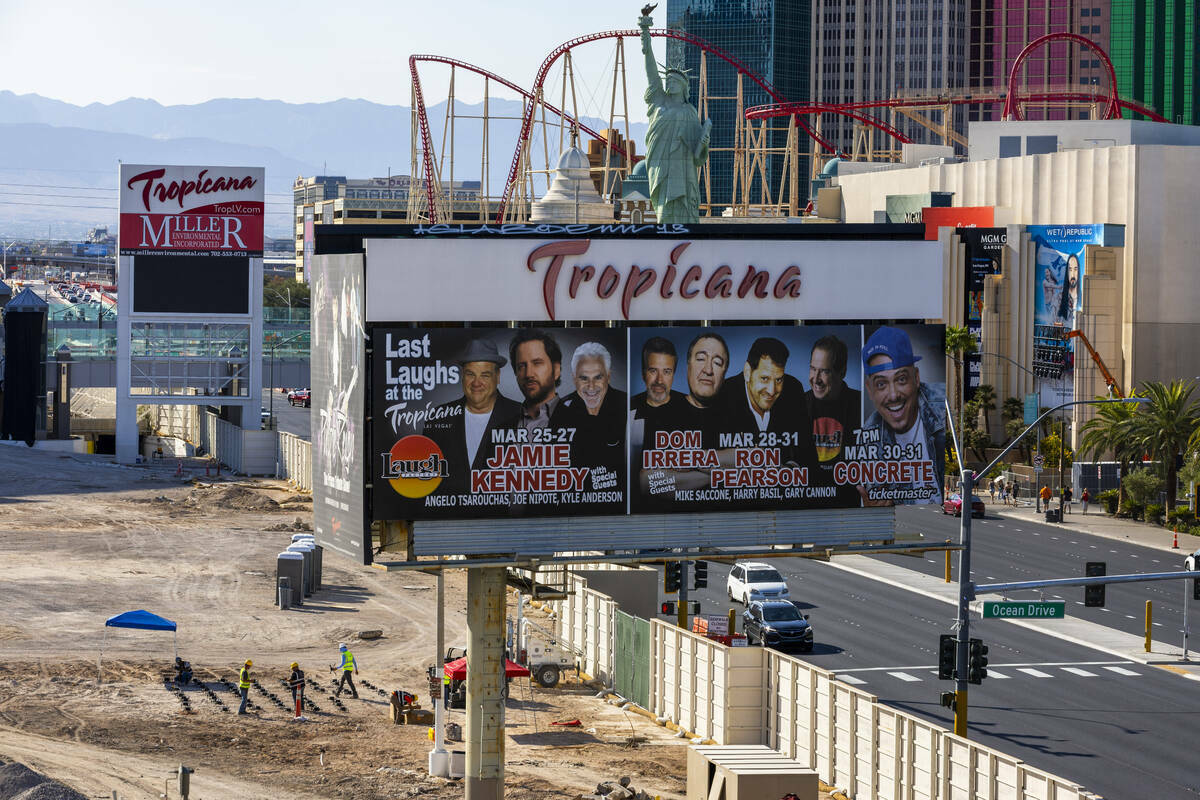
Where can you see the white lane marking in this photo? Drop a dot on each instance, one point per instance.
(1083, 673)
(1130, 616)
(1123, 671)
(904, 676)
(1035, 533)
(1156, 561)
(1112, 551)
(850, 679)
(1157, 624)
(1018, 530)
(1093, 546)
(1037, 673)
(1057, 596)
(999, 675)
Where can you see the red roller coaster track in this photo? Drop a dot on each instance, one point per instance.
(1011, 99)
(423, 119)
(527, 122)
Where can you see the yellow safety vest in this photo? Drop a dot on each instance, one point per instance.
(347, 661)
(244, 679)
(446, 678)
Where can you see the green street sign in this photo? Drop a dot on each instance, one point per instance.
(1008, 609)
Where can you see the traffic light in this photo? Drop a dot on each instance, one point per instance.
(1190, 564)
(976, 661)
(667, 608)
(1093, 596)
(701, 579)
(672, 576)
(947, 653)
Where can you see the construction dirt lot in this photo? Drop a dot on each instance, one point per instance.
(82, 539)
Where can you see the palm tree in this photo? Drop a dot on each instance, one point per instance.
(985, 398)
(1013, 408)
(1109, 432)
(959, 342)
(1166, 425)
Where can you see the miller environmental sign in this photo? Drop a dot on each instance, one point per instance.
(996, 609)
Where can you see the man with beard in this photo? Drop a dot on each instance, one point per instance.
(835, 408)
(908, 414)
(707, 359)
(658, 374)
(597, 413)
(463, 428)
(537, 363)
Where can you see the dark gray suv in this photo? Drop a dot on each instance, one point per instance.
(777, 624)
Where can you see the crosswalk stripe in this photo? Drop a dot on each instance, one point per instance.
(993, 674)
(1037, 673)
(904, 676)
(1122, 671)
(850, 679)
(1083, 673)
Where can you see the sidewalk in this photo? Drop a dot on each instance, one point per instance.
(1097, 523)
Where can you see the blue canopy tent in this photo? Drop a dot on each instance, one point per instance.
(142, 620)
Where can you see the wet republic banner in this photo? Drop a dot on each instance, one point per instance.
(506, 422)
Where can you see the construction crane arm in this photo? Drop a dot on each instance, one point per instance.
(1108, 378)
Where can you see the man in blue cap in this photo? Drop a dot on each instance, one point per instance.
(908, 414)
(347, 666)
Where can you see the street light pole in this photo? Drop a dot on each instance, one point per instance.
(966, 587)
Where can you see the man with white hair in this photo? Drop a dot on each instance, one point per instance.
(595, 409)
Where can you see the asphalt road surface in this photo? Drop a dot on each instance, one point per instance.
(1120, 728)
(1010, 550)
(288, 418)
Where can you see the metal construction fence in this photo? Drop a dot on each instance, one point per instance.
(752, 695)
(248, 452)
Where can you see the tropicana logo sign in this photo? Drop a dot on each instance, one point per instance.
(713, 281)
(153, 188)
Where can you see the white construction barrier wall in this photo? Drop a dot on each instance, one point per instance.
(752, 695)
(295, 461)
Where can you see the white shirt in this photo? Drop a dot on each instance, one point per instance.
(475, 425)
(916, 435)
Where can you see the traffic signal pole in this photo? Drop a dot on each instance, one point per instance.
(682, 610)
(966, 587)
(966, 593)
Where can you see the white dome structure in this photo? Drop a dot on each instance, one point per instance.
(572, 196)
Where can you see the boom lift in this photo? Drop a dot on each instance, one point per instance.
(1113, 386)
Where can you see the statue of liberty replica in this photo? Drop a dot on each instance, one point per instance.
(676, 140)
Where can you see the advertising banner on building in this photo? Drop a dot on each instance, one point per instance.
(910, 207)
(956, 217)
(175, 210)
(1057, 289)
(984, 251)
(339, 375)
(503, 422)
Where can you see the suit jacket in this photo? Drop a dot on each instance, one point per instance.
(788, 415)
(450, 434)
(599, 439)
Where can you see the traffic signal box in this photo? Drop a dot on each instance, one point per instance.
(668, 608)
(976, 661)
(672, 576)
(701, 574)
(947, 651)
(1093, 596)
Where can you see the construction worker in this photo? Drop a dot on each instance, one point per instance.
(183, 671)
(244, 685)
(347, 666)
(296, 682)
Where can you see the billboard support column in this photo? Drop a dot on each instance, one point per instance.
(485, 676)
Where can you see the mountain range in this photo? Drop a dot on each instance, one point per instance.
(59, 161)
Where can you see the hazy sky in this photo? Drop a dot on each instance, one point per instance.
(84, 51)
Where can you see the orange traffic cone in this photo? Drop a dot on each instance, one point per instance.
(1175, 543)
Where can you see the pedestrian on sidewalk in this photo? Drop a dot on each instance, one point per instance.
(1085, 498)
(1016, 489)
(244, 685)
(347, 666)
(1045, 495)
(1069, 497)
(1004, 494)
(992, 490)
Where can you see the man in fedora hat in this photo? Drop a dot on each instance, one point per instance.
(909, 416)
(463, 428)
